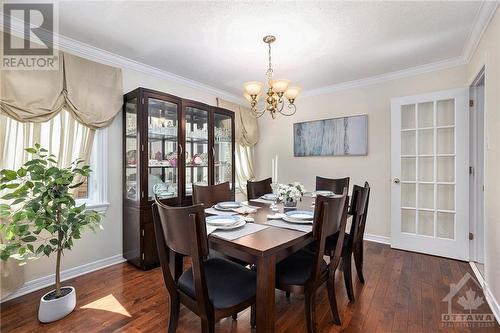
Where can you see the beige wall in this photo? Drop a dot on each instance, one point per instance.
(488, 54)
(108, 242)
(276, 137)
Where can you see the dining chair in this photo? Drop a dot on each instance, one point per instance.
(305, 271)
(256, 189)
(353, 242)
(213, 288)
(331, 184)
(210, 195)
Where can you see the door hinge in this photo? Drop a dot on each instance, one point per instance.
(471, 170)
(471, 236)
(142, 101)
(471, 102)
(142, 194)
(142, 232)
(142, 256)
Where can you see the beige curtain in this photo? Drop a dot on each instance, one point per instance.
(90, 91)
(247, 135)
(63, 136)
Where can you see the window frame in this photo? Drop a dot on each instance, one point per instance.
(97, 198)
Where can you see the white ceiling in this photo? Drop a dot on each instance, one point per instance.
(318, 43)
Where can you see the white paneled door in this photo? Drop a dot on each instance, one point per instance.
(430, 154)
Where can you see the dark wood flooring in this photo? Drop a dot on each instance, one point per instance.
(403, 293)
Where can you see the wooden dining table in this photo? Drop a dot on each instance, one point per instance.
(265, 248)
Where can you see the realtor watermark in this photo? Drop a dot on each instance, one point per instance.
(29, 36)
(472, 310)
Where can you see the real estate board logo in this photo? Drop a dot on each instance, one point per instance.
(472, 309)
(29, 36)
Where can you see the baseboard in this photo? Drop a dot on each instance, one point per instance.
(495, 308)
(377, 239)
(67, 274)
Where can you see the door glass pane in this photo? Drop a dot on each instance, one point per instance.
(426, 114)
(223, 149)
(446, 197)
(162, 148)
(426, 223)
(426, 196)
(408, 222)
(446, 141)
(446, 169)
(426, 142)
(445, 227)
(196, 148)
(408, 116)
(445, 112)
(408, 168)
(426, 169)
(408, 143)
(131, 161)
(408, 195)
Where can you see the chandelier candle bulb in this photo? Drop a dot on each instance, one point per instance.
(291, 93)
(253, 88)
(280, 86)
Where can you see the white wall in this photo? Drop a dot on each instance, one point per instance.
(108, 242)
(488, 54)
(276, 137)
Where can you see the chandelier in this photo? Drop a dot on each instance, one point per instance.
(274, 101)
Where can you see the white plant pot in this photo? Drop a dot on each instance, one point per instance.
(55, 309)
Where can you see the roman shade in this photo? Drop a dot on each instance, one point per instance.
(90, 91)
(246, 129)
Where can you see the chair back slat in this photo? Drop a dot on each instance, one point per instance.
(256, 189)
(212, 194)
(335, 185)
(330, 216)
(359, 210)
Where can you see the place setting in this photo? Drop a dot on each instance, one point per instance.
(231, 227)
(301, 220)
(231, 208)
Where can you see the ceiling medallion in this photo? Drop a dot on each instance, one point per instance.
(274, 101)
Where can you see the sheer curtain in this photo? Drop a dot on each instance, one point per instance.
(64, 137)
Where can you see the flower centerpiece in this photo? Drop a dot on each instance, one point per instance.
(290, 194)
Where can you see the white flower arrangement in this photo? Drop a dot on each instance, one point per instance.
(290, 192)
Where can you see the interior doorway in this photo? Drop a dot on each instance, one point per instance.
(476, 171)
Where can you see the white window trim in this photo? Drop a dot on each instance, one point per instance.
(98, 181)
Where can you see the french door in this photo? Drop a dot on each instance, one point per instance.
(430, 154)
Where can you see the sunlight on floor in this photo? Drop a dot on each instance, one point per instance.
(107, 303)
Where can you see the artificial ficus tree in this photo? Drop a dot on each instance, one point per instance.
(40, 215)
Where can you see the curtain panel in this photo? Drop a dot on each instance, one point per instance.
(247, 135)
(90, 91)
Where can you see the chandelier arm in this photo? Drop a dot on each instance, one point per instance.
(290, 106)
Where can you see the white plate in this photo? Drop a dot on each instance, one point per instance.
(228, 205)
(222, 220)
(297, 221)
(300, 214)
(232, 226)
(269, 197)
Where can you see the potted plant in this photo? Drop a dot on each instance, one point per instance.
(41, 217)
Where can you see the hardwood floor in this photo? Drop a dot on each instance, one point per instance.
(403, 293)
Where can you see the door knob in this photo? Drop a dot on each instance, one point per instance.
(396, 180)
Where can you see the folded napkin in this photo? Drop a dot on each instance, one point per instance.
(276, 216)
(245, 210)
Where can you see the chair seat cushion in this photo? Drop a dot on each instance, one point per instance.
(331, 241)
(296, 269)
(228, 283)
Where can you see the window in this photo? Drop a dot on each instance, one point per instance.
(64, 137)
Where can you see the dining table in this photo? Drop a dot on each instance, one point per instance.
(264, 249)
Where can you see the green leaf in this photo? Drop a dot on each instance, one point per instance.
(54, 241)
(22, 251)
(40, 249)
(30, 247)
(22, 172)
(37, 145)
(47, 250)
(28, 239)
(30, 150)
(9, 174)
(4, 255)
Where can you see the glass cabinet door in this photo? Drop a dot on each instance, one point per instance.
(131, 156)
(163, 122)
(196, 153)
(223, 149)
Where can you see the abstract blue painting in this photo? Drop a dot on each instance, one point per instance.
(337, 137)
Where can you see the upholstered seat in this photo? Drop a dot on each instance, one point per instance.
(228, 283)
(296, 269)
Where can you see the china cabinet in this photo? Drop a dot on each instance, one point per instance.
(169, 144)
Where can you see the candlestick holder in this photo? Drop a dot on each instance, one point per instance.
(274, 205)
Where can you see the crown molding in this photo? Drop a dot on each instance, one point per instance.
(481, 22)
(412, 71)
(90, 52)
